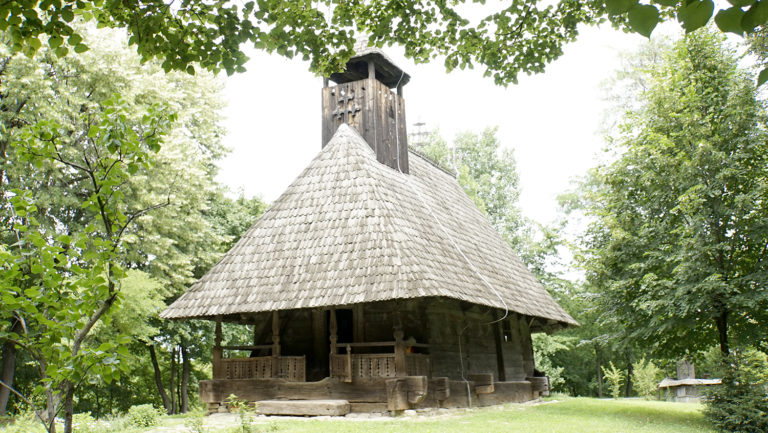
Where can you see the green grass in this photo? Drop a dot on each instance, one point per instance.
(572, 415)
(566, 415)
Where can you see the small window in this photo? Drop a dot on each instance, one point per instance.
(506, 330)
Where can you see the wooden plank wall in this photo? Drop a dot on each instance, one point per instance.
(370, 107)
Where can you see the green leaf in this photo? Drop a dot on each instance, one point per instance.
(618, 7)
(741, 3)
(81, 48)
(62, 51)
(74, 39)
(105, 347)
(55, 41)
(34, 292)
(695, 14)
(762, 77)
(755, 16)
(668, 3)
(729, 20)
(67, 15)
(643, 19)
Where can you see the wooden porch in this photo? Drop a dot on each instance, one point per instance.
(347, 362)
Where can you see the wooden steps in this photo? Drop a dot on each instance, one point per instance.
(303, 407)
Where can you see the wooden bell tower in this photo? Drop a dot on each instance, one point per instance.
(363, 98)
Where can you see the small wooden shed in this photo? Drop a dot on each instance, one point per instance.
(373, 278)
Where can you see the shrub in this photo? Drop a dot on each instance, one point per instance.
(645, 376)
(23, 423)
(194, 421)
(84, 423)
(143, 415)
(615, 377)
(740, 404)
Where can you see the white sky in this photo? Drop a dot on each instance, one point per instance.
(551, 120)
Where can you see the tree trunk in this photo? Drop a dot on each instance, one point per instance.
(628, 389)
(51, 409)
(185, 368)
(159, 380)
(8, 369)
(722, 331)
(598, 365)
(173, 381)
(69, 398)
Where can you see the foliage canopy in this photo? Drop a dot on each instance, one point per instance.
(677, 252)
(521, 36)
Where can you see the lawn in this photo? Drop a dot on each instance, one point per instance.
(572, 415)
(560, 415)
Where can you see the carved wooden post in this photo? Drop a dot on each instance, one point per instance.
(399, 344)
(217, 350)
(333, 329)
(349, 364)
(275, 344)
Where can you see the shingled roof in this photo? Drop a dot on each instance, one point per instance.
(351, 230)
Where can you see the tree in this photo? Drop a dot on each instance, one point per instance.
(51, 108)
(487, 173)
(523, 36)
(62, 284)
(677, 249)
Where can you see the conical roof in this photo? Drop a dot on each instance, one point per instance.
(350, 230)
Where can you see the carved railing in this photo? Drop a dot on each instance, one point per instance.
(290, 368)
(352, 366)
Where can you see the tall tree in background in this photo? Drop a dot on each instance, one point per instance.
(677, 250)
(487, 173)
(60, 102)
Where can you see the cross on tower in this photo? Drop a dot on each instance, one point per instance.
(346, 106)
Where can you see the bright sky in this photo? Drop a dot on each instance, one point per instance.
(551, 120)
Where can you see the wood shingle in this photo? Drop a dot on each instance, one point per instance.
(350, 230)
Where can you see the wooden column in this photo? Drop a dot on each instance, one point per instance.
(333, 331)
(399, 343)
(217, 351)
(497, 337)
(275, 344)
(348, 377)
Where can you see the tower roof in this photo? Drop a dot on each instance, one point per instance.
(351, 230)
(357, 67)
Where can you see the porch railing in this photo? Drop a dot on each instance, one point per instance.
(352, 366)
(290, 368)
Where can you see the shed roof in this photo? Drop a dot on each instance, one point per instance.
(350, 230)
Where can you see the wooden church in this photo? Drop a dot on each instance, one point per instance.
(373, 282)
